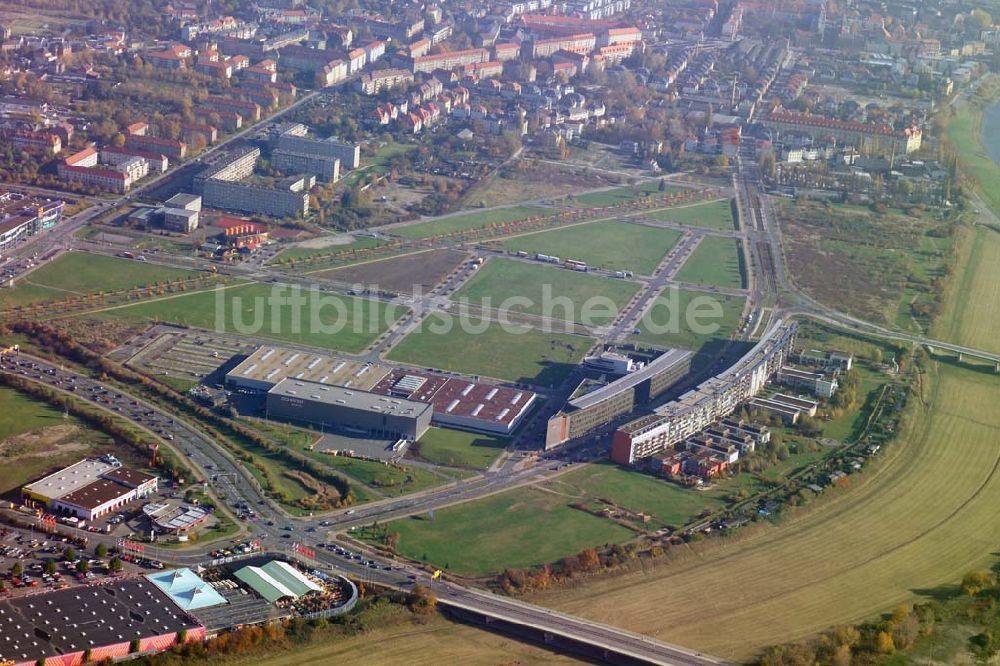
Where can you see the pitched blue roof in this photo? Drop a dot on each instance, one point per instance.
(186, 589)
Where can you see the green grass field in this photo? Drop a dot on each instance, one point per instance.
(607, 244)
(249, 309)
(490, 534)
(457, 448)
(712, 215)
(501, 279)
(716, 261)
(620, 195)
(922, 519)
(36, 439)
(528, 356)
(675, 311)
(965, 135)
(517, 528)
(76, 273)
(468, 221)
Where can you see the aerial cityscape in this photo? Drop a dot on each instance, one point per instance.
(523, 332)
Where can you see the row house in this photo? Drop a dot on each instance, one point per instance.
(483, 70)
(356, 60)
(248, 110)
(449, 61)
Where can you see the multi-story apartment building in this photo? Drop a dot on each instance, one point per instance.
(349, 154)
(383, 79)
(158, 162)
(169, 147)
(290, 198)
(711, 400)
(323, 167)
(27, 140)
(579, 43)
(903, 141)
(235, 166)
(448, 61)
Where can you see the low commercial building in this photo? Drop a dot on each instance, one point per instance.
(268, 365)
(186, 589)
(814, 382)
(121, 618)
(22, 216)
(90, 488)
(180, 220)
(277, 580)
(337, 407)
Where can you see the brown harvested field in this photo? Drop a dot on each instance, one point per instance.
(519, 183)
(402, 273)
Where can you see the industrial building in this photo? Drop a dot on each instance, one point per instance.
(268, 365)
(90, 488)
(460, 403)
(59, 626)
(602, 406)
(710, 401)
(457, 403)
(337, 407)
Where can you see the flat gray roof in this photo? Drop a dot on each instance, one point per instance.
(662, 363)
(70, 479)
(339, 396)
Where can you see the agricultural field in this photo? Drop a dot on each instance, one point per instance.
(717, 262)
(77, 273)
(619, 195)
(870, 264)
(467, 221)
(502, 279)
(717, 215)
(670, 311)
(920, 518)
(526, 356)
(427, 641)
(608, 244)
(400, 274)
(457, 448)
(250, 309)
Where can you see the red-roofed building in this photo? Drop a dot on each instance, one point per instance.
(169, 147)
(506, 51)
(908, 139)
(139, 128)
(26, 140)
(578, 43)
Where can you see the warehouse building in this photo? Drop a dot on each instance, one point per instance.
(59, 626)
(90, 488)
(600, 407)
(342, 408)
(460, 403)
(277, 580)
(268, 365)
